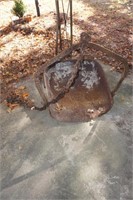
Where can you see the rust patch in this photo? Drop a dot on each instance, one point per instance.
(88, 97)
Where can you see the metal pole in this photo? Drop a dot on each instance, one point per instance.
(58, 30)
(37, 8)
(57, 25)
(71, 22)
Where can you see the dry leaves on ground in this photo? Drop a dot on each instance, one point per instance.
(26, 46)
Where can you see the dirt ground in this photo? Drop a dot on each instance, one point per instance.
(24, 47)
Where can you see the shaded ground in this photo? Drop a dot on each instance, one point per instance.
(24, 47)
(45, 159)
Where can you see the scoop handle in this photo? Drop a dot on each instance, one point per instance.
(116, 57)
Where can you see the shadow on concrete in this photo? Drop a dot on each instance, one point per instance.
(9, 182)
(101, 159)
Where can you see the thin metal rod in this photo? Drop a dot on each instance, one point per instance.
(57, 37)
(71, 22)
(58, 31)
(57, 25)
(60, 38)
(37, 8)
(63, 12)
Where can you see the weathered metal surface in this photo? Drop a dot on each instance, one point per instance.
(87, 98)
(77, 97)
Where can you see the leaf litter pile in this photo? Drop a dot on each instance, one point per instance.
(26, 46)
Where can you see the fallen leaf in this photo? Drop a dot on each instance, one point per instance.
(25, 95)
(12, 105)
(22, 87)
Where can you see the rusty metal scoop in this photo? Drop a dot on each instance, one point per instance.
(76, 90)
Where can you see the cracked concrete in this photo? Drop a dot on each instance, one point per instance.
(43, 159)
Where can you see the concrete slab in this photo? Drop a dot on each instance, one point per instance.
(42, 159)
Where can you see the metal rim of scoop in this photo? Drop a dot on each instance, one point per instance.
(72, 79)
(84, 42)
(88, 97)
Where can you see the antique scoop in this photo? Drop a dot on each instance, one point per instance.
(76, 90)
